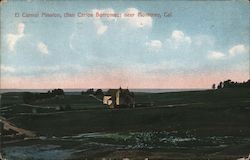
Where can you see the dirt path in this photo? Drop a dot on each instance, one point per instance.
(91, 95)
(8, 126)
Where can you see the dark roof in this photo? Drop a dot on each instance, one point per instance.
(112, 92)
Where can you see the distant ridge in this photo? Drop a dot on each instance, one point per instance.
(149, 90)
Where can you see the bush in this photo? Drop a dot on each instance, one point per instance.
(90, 91)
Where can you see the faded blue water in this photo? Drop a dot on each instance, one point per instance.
(97, 142)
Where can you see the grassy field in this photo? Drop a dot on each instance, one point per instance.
(220, 113)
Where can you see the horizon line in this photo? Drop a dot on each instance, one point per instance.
(92, 88)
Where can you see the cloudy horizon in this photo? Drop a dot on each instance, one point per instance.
(201, 43)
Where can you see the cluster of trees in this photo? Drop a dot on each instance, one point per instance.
(56, 92)
(98, 92)
(29, 97)
(231, 84)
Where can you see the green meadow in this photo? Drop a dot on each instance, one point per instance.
(207, 113)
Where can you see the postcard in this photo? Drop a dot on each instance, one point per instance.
(128, 79)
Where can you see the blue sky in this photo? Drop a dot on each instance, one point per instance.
(202, 43)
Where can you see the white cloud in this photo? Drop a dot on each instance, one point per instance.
(237, 49)
(13, 38)
(154, 45)
(42, 48)
(214, 55)
(178, 38)
(7, 69)
(100, 27)
(138, 22)
(11, 41)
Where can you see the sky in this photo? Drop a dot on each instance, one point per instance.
(196, 44)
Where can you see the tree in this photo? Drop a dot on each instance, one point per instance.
(228, 84)
(55, 92)
(90, 91)
(213, 86)
(231, 84)
(99, 92)
(220, 85)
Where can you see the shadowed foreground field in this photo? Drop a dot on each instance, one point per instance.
(212, 124)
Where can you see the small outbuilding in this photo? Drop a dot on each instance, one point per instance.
(116, 98)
